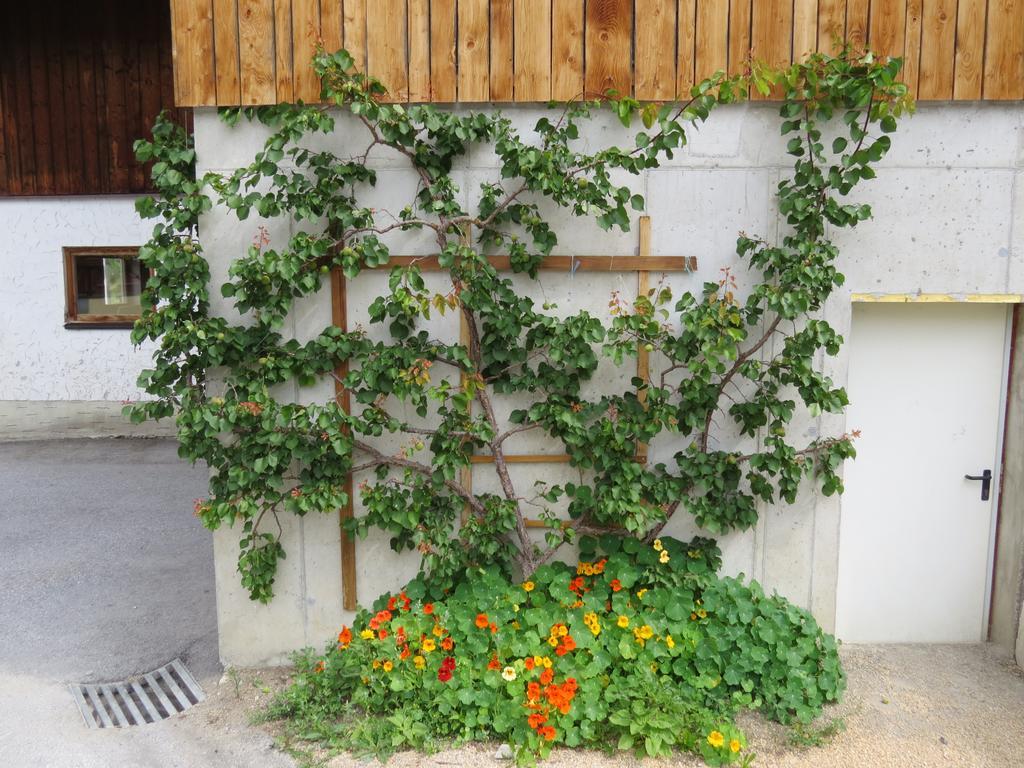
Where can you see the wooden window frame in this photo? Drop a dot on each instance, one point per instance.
(72, 319)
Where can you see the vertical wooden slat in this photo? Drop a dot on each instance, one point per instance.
(37, 93)
(193, 53)
(609, 33)
(686, 45)
(970, 46)
(712, 46)
(857, 14)
(655, 76)
(503, 70)
(474, 51)
(256, 51)
(18, 65)
(149, 67)
(771, 32)
(805, 29)
(532, 50)
(339, 317)
(386, 47)
(739, 35)
(888, 27)
(114, 98)
(912, 46)
(937, 50)
(442, 50)
(419, 50)
(7, 116)
(284, 66)
(355, 32)
(331, 24)
(831, 25)
(305, 34)
(50, 36)
(566, 50)
(128, 39)
(225, 35)
(1004, 50)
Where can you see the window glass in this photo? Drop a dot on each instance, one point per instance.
(108, 285)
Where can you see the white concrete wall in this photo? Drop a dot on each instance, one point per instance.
(50, 376)
(949, 218)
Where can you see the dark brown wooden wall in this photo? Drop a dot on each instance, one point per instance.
(79, 83)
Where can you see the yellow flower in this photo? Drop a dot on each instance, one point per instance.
(546, 661)
(376, 664)
(702, 613)
(646, 632)
(588, 569)
(437, 630)
(669, 641)
(623, 621)
(657, 545)
(388, 666)
(734, 746)
(509, 673)
(528, 586)
(716, 739)
(563, 630)
(419, 662)
(664, 557)
(553, 641)
(654, 667)
(367, 634)
(538, 661)
(641, 593)
(429, 645)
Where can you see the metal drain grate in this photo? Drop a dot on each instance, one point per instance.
(146, 699)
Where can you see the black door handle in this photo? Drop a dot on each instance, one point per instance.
(986, 482)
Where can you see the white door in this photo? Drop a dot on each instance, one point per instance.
(925, 392)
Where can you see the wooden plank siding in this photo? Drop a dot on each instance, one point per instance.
(533, 50)
(79, 83)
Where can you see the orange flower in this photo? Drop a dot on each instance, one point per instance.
(383, 634)
(345, 637)
(533, 691)
(547, 733)
(447, 644)
(536, 720)
(319, 667)
(546, 676)
(616, 585)
(438, 630)
(494, 628)
(405, 653)
(528, 662)
(568, 644)
(428, 608)
(494, 663)
(481, 621)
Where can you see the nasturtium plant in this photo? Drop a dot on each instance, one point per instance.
(638, 647)
(711, 368)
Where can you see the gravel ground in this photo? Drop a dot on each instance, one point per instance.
(917, 706)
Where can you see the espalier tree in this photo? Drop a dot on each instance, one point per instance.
(270, 456)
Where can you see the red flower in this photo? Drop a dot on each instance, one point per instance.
(444, 675)
(494, 628)
(383, 634)
(494, 663)
(428, 608)
(344, 637)
(616, 585)
(568, 644)
(482, 621)
(405, 653)
(448, 663)
(447, 644)
(392, 602)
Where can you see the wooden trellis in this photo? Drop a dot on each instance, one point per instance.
(643, 264)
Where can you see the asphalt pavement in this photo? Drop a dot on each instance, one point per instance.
(105, 573)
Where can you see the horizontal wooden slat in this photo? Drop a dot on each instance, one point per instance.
(532, 50)
(565, 263)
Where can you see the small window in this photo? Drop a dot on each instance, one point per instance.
(104, 287)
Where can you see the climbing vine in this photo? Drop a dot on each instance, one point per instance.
(741, 354)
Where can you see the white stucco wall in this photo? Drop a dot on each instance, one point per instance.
(72, 380)
(949, 218)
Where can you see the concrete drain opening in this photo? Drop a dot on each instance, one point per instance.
(145, 699)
